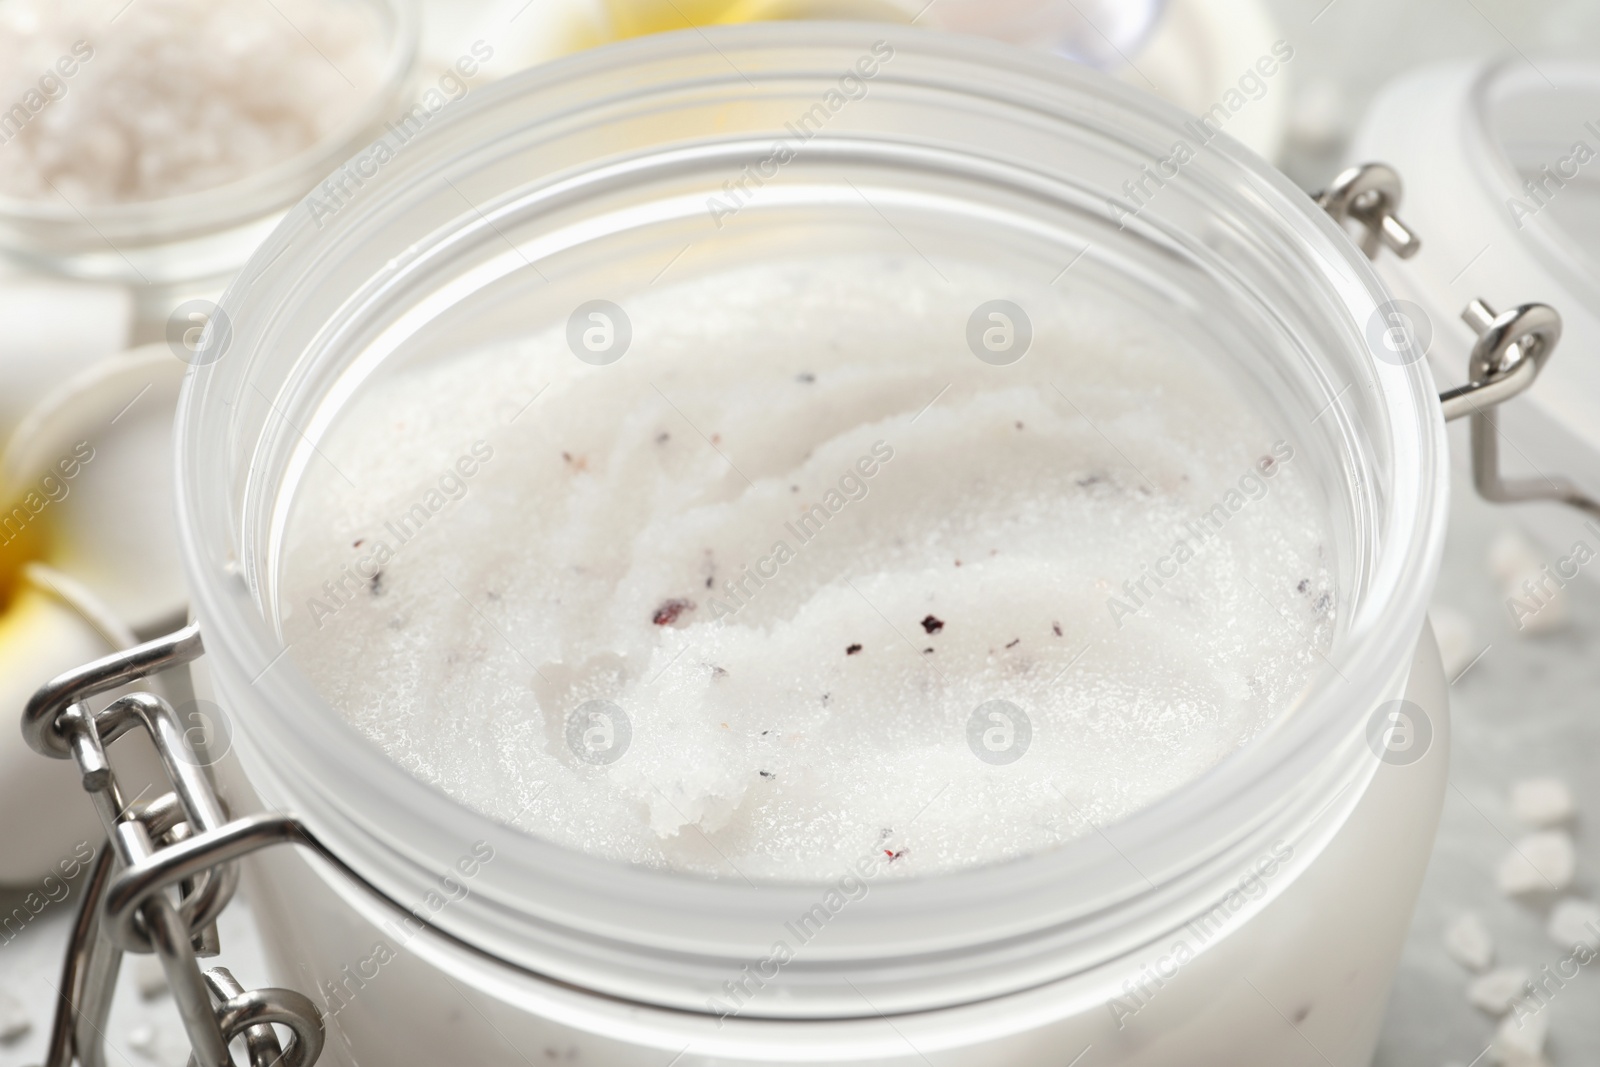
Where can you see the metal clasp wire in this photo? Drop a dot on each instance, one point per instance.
(1512, 347)
(181, 841)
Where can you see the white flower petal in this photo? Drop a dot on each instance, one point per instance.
(96, 457)
(40, 637)
(51, 330)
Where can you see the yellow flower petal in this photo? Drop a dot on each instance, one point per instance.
(93, 464)
(635, 18)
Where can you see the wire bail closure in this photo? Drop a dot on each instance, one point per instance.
(1512, 347)
(184, 841)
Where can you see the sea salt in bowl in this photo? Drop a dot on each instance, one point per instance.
(740, 541)
(159, 143)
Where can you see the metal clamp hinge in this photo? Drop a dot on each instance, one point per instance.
(182, 841)
(1370, 194)
(1512, 347)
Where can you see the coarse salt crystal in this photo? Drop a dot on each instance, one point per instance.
(1541, 862)
(1469, 942)
(1575, 922)
(1519, 1042)
(1542, 802)
(14, 1020)
(1537, 602)
(150, 979)
(142, 1039)
(1511, 557)
(1541, 613)
(1495, 991)
(1519, 1059)
(1457, 645)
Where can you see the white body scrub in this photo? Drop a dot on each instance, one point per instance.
(172, 96)
(799, 547)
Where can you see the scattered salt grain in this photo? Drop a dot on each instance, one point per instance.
(1575, 922)
(149, 978)
(142, 1039)
(1457, 644)
(14, 1020)
(1518, 1059)
(1541, 862)
(1541, 802)
(1519, 1042)
(1494, 992)
(1469, 942)
(1537, 603)
(1511, 557)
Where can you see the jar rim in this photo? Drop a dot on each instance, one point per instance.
(1322, 741)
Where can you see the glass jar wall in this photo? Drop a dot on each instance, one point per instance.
(596, 179)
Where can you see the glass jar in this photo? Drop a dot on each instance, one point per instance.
(192, 243)
(1253, 916)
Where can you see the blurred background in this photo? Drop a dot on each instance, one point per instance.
(147, 146)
